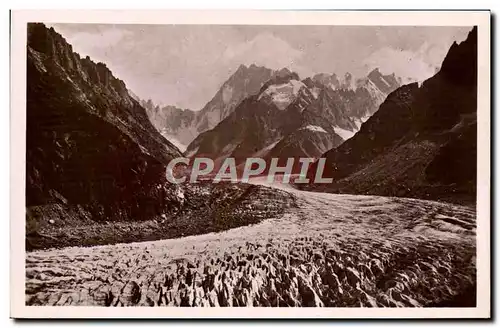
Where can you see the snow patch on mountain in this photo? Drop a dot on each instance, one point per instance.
(315, 92)
(282, 95)
(314, 128)
(271, 146)
(343, 133)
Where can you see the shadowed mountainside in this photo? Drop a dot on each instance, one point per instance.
(421, 142)
(88, 141)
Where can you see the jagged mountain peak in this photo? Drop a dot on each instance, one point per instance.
(334, 82)
(282, 76)
(48, 42)
(88, 142)
(378, 83)
(329, 80)
(283, 72)
(375, 71)
(242, 67)
(453, 67)
(283, 93)
(185, 125)
(290, 118)
(248, 69)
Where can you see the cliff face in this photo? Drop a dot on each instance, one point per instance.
(421, 142)
(246, 81)
(88, 142)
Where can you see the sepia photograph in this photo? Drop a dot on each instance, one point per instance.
(317, 160)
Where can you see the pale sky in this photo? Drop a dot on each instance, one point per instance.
(184, 65)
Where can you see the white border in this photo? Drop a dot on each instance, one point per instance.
(254, 17)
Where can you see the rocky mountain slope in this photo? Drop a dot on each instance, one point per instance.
(93, 158)
(246, 81)
(292, 118)
(87, 139)
(373, 89)
(421, 142)
(184, 125)
(175, 124)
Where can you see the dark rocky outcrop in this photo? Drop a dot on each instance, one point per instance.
(88, 142)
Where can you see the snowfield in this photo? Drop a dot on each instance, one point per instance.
(330, 250)
(282, 95)
(314, 128)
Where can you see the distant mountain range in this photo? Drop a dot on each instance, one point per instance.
(290, 117)
(183, 125)
(172, 122)
(421, 142)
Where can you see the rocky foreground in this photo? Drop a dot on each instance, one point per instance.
(193, 210)
(331, 250)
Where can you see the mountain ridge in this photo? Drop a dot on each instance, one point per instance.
(184, 126)
(289, 117)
